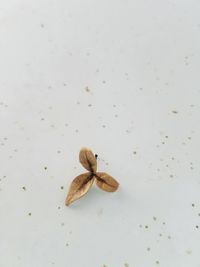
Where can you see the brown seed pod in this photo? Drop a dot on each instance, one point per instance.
(82, 183)
(88, 160)
(79, 187)
(106, 182)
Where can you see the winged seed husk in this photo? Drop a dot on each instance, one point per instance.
(79, 187)
(88, 160)
(106, 182)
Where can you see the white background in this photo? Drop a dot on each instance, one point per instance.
(140, 62)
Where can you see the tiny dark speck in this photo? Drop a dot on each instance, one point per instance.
(29, 214)
(175, 111)
(45, 168)
(197, 227)
(146, 226)
(87, 89)
(24, 188)
(62, 187)
(42, 25)
(193, 204)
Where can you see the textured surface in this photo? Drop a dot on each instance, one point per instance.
(120, 77)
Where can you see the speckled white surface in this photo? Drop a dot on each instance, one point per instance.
(140, 63)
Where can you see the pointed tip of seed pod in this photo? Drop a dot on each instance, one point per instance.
(67, 202)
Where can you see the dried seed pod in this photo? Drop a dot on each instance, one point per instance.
(79, 187)
(106, 182)
(88, 160)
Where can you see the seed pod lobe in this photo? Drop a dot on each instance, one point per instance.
(106, 182)
(88, 160)
(79, 187)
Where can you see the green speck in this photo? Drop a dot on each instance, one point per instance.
(62, 187)
(29, 214)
